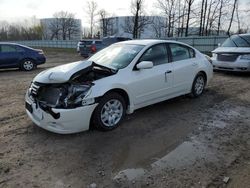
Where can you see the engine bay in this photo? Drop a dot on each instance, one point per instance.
(70, 94)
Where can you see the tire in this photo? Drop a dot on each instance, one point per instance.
(28, 65)
(198, 85)
(110, 112)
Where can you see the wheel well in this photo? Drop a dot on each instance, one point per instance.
(122, 93)
(205, 75)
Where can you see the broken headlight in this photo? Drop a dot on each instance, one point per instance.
(76, 94)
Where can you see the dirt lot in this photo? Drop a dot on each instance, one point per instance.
(182, 142)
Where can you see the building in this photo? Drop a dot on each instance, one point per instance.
(122, 26)
(61, 28)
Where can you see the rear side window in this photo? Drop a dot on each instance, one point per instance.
(158, 54)
(8, 48)
(180, 52)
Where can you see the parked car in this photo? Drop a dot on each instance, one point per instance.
(87, 47)
(18, 56)
(117, 80)
(106, 41)
(233, 54)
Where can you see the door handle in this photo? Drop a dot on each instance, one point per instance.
(168, 72)
(194, 64)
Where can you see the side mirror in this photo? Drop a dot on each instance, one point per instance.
(145, 65)
(219, 44)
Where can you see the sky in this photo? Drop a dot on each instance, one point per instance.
(18, 10)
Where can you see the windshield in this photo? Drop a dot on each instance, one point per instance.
(116, 56)
(237, 41)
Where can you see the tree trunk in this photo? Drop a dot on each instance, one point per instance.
(231, 20)
(188, 17)
(204, 17)
(202, 6)
(219, 18)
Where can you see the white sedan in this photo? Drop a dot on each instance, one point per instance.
(117, 80)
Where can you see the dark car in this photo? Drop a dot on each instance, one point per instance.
(111, 40)
(18, 56)
(87, 47)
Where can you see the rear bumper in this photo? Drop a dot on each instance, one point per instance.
(40, 60)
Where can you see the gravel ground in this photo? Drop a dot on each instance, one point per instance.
(183, 142)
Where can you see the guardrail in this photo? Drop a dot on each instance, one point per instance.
(204, 44)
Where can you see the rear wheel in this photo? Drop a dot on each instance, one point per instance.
(198, 85)
(110, 112)
(28, 65)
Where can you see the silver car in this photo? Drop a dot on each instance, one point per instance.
(233, 54)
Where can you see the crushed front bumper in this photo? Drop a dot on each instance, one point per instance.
(69, 121)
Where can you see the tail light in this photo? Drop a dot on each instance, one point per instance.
(93, 48)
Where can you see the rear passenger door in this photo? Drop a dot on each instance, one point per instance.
(184, 66)
(9, 56)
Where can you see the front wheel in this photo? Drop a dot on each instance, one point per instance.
(28, 65)
(198, 85)
(110, 112)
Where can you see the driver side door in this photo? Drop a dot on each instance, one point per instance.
(150, 85)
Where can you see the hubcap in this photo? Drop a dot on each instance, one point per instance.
(199, 85)
(111, 112)
(28, 65)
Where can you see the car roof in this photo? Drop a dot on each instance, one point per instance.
(16, 44)
(149, 42)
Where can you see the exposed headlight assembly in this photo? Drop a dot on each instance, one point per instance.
(246, 57)
(76, 94)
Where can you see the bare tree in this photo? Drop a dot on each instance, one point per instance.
(232, 16)
(138, 21)
(106, 24)
(20, 31)
(201, 17)
(54, 28)
(219, 17)
(168, 8)
(159, 26)
(92, 13)
(63, 26)
(189, 4)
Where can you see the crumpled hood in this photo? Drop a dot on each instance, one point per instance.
(231, 50)
(62, 73)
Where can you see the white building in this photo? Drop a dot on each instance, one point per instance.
(53, 29)
(151, 27)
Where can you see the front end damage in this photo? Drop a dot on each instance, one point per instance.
(65, 107)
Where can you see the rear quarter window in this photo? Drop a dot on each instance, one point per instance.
(180, 52)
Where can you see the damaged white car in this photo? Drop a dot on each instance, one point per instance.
(117, 80)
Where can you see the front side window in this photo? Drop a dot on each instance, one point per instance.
(158, 54)
(7, 48)
(180, 52)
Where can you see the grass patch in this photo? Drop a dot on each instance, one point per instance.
(59, 50)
